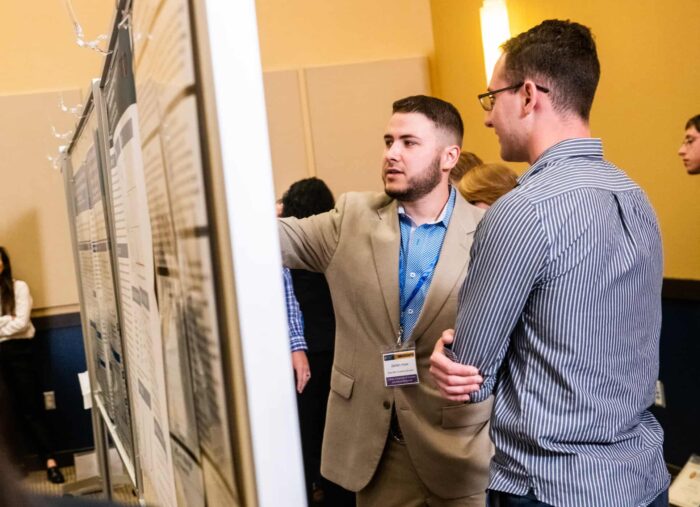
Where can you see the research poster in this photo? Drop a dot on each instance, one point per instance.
(165, 90)
(90, 232)
(139, 306)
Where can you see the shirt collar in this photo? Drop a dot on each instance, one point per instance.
(578, 147)
(445, 214)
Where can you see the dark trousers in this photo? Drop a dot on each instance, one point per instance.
(21, 400)
(312, 419)
(500, 499)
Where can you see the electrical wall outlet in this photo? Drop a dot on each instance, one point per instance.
(49, 400)
(660, 399)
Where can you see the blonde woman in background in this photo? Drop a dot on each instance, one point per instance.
(483, 184)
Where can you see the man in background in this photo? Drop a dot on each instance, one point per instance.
(561, 309)
(690, 149)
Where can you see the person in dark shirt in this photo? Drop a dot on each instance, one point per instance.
(305, 198)
(18, 368)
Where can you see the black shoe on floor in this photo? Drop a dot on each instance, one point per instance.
(53, 474)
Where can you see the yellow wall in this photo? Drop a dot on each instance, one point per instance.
(40, 60)
(38, 48)
(305, 33)
(649, 88)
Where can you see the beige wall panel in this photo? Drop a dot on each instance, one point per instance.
(349, 108)
(33, 220)
(285, 123)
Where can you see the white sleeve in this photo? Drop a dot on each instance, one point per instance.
(23, 308)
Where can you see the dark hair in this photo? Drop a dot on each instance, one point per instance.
(307, 197)
(466, 161)
(7, 289)
(560, 55)
(694, 122)
(443, 114)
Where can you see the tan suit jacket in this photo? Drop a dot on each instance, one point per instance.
(356, 245)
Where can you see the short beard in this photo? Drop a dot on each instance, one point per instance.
(419, 186)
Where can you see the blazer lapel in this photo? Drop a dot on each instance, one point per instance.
(385, 240)
(454, 258)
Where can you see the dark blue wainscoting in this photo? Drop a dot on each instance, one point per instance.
(680, 370)
(60, 356)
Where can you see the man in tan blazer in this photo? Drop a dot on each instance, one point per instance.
(405, 445)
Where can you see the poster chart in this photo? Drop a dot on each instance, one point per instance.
(165, 89)
(97, 277)
(135, 271)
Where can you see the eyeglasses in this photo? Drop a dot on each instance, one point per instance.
(488, 99)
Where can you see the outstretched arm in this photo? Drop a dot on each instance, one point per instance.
(309, 243)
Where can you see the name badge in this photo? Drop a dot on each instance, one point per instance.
(400, 368)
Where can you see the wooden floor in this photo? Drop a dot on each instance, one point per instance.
(37, 483)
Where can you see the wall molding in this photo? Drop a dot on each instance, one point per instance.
(56, 321)
(677, 288)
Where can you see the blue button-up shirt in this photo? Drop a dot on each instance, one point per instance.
(420, 250)
(561, 313)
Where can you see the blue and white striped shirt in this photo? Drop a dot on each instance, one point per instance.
(561, 313)
(418, 256)
(295, 319)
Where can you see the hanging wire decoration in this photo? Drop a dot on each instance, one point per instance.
(75, 110)
(56, 160)
(58, 135)
(80, 35)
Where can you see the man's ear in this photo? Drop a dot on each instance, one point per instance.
(450, 156)
(530, 96)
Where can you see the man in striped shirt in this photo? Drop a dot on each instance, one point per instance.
(561, 310)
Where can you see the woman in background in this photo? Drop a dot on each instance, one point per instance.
(483, 184)
(17, 369)
(304, 198)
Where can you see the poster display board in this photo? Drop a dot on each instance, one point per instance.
(175, 189)
(96, 262)
(156, 277)
(131, 229)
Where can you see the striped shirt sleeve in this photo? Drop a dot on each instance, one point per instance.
(507, 259)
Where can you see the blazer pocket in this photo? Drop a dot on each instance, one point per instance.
(342, 383)
(467, 414)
